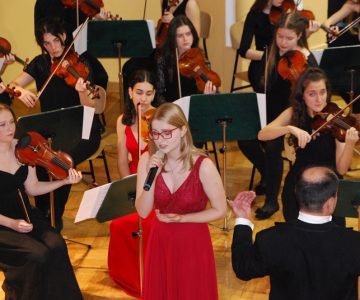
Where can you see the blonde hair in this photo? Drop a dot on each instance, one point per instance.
(173, 115)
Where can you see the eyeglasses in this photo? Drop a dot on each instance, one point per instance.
(166, 134)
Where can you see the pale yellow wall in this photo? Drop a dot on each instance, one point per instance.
(17, 26)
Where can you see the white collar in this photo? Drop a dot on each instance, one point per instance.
(307, 218)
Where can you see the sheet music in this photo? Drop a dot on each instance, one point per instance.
(261, 102)
(91, 202)
(184, 103)
(80, 44)
(88, 117)
(230, 18)
(318, 55)
(150, 24)
(2, 59)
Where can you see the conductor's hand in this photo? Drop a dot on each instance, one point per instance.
(21, 226)
(74, 177)
(241, 205)
(168, 218)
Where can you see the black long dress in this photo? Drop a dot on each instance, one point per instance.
(36, 264)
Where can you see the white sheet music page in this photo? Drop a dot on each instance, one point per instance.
(80, 44)
(91, 202)
(88, 117)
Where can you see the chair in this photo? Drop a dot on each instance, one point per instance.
(106, 140)
(235, 34)
(205, 26)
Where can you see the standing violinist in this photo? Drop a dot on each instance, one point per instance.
(182, 36)
(310, 96)
(51, 36)
(289, 50)
(33, 257)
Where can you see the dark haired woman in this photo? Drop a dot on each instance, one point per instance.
(311, 95)
(52, 38)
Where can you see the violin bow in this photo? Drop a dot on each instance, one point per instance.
(178, 71)
(345, 29)
(62, 58)
(24, 206)
(334, 116)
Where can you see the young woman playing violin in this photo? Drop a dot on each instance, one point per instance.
(311, 95)
(52, 38)
(182, 36)
(290, 42)
(123, 256)
(33, 256)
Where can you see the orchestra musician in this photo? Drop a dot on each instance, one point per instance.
(289, 44)
(5, 97)
(52, 38)
(181, 37)
(310, 96)
(33, 256)
(123, 256)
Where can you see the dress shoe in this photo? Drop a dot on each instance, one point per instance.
(266, 211)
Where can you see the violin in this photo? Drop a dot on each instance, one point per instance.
(291, 65)
(12, 92)
(163, 28)
(34, 150)
(71, 69)
(145, 124)
(89, 8)
(338, 125)
(5, 48)
(192, 64)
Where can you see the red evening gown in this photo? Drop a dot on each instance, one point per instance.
(179, 261)
(123, 254)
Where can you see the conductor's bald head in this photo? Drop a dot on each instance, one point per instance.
(314, 187)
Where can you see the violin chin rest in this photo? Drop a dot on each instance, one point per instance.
(24, 141)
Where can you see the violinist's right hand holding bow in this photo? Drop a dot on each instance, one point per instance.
(302, 136)
(26, 97)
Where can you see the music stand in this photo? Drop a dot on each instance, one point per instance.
(117, 39)
(62, 126)
(119, 199)
(238, 117)
(337, 62)
(348, 200)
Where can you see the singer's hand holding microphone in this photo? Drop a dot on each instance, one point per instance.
(155, 165)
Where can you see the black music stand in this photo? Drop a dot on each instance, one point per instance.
(119, 199)
(117, 39)
(340, 65)
(62, 126)
(348, 202)
(222, 117)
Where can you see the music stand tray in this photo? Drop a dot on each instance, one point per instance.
(63, 126)
(119, 200)
(133, 36)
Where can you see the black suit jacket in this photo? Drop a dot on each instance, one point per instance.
(304, 261)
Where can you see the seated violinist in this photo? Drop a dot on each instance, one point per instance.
(51, 36)
(181, 38)
(310, 97)
(33, 256)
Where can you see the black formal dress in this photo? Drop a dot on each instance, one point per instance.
(36, 264)
(59, 95)
(305, 261)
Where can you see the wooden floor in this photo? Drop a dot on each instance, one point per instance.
(91, 267)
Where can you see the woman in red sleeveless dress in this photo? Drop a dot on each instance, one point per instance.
(179, 262)
(123, 255)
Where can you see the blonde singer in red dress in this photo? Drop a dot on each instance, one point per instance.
(179, 260)
(123, 256)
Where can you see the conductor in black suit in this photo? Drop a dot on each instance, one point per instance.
(311, 258)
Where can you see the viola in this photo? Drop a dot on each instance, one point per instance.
(338, 125)
(5, 48)
(145, 124)
(163, 28)
(291, 65)
(89, 8)
(192, 64)
(34, 150)
(71, 69)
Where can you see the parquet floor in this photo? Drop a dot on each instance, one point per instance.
(91, 267)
